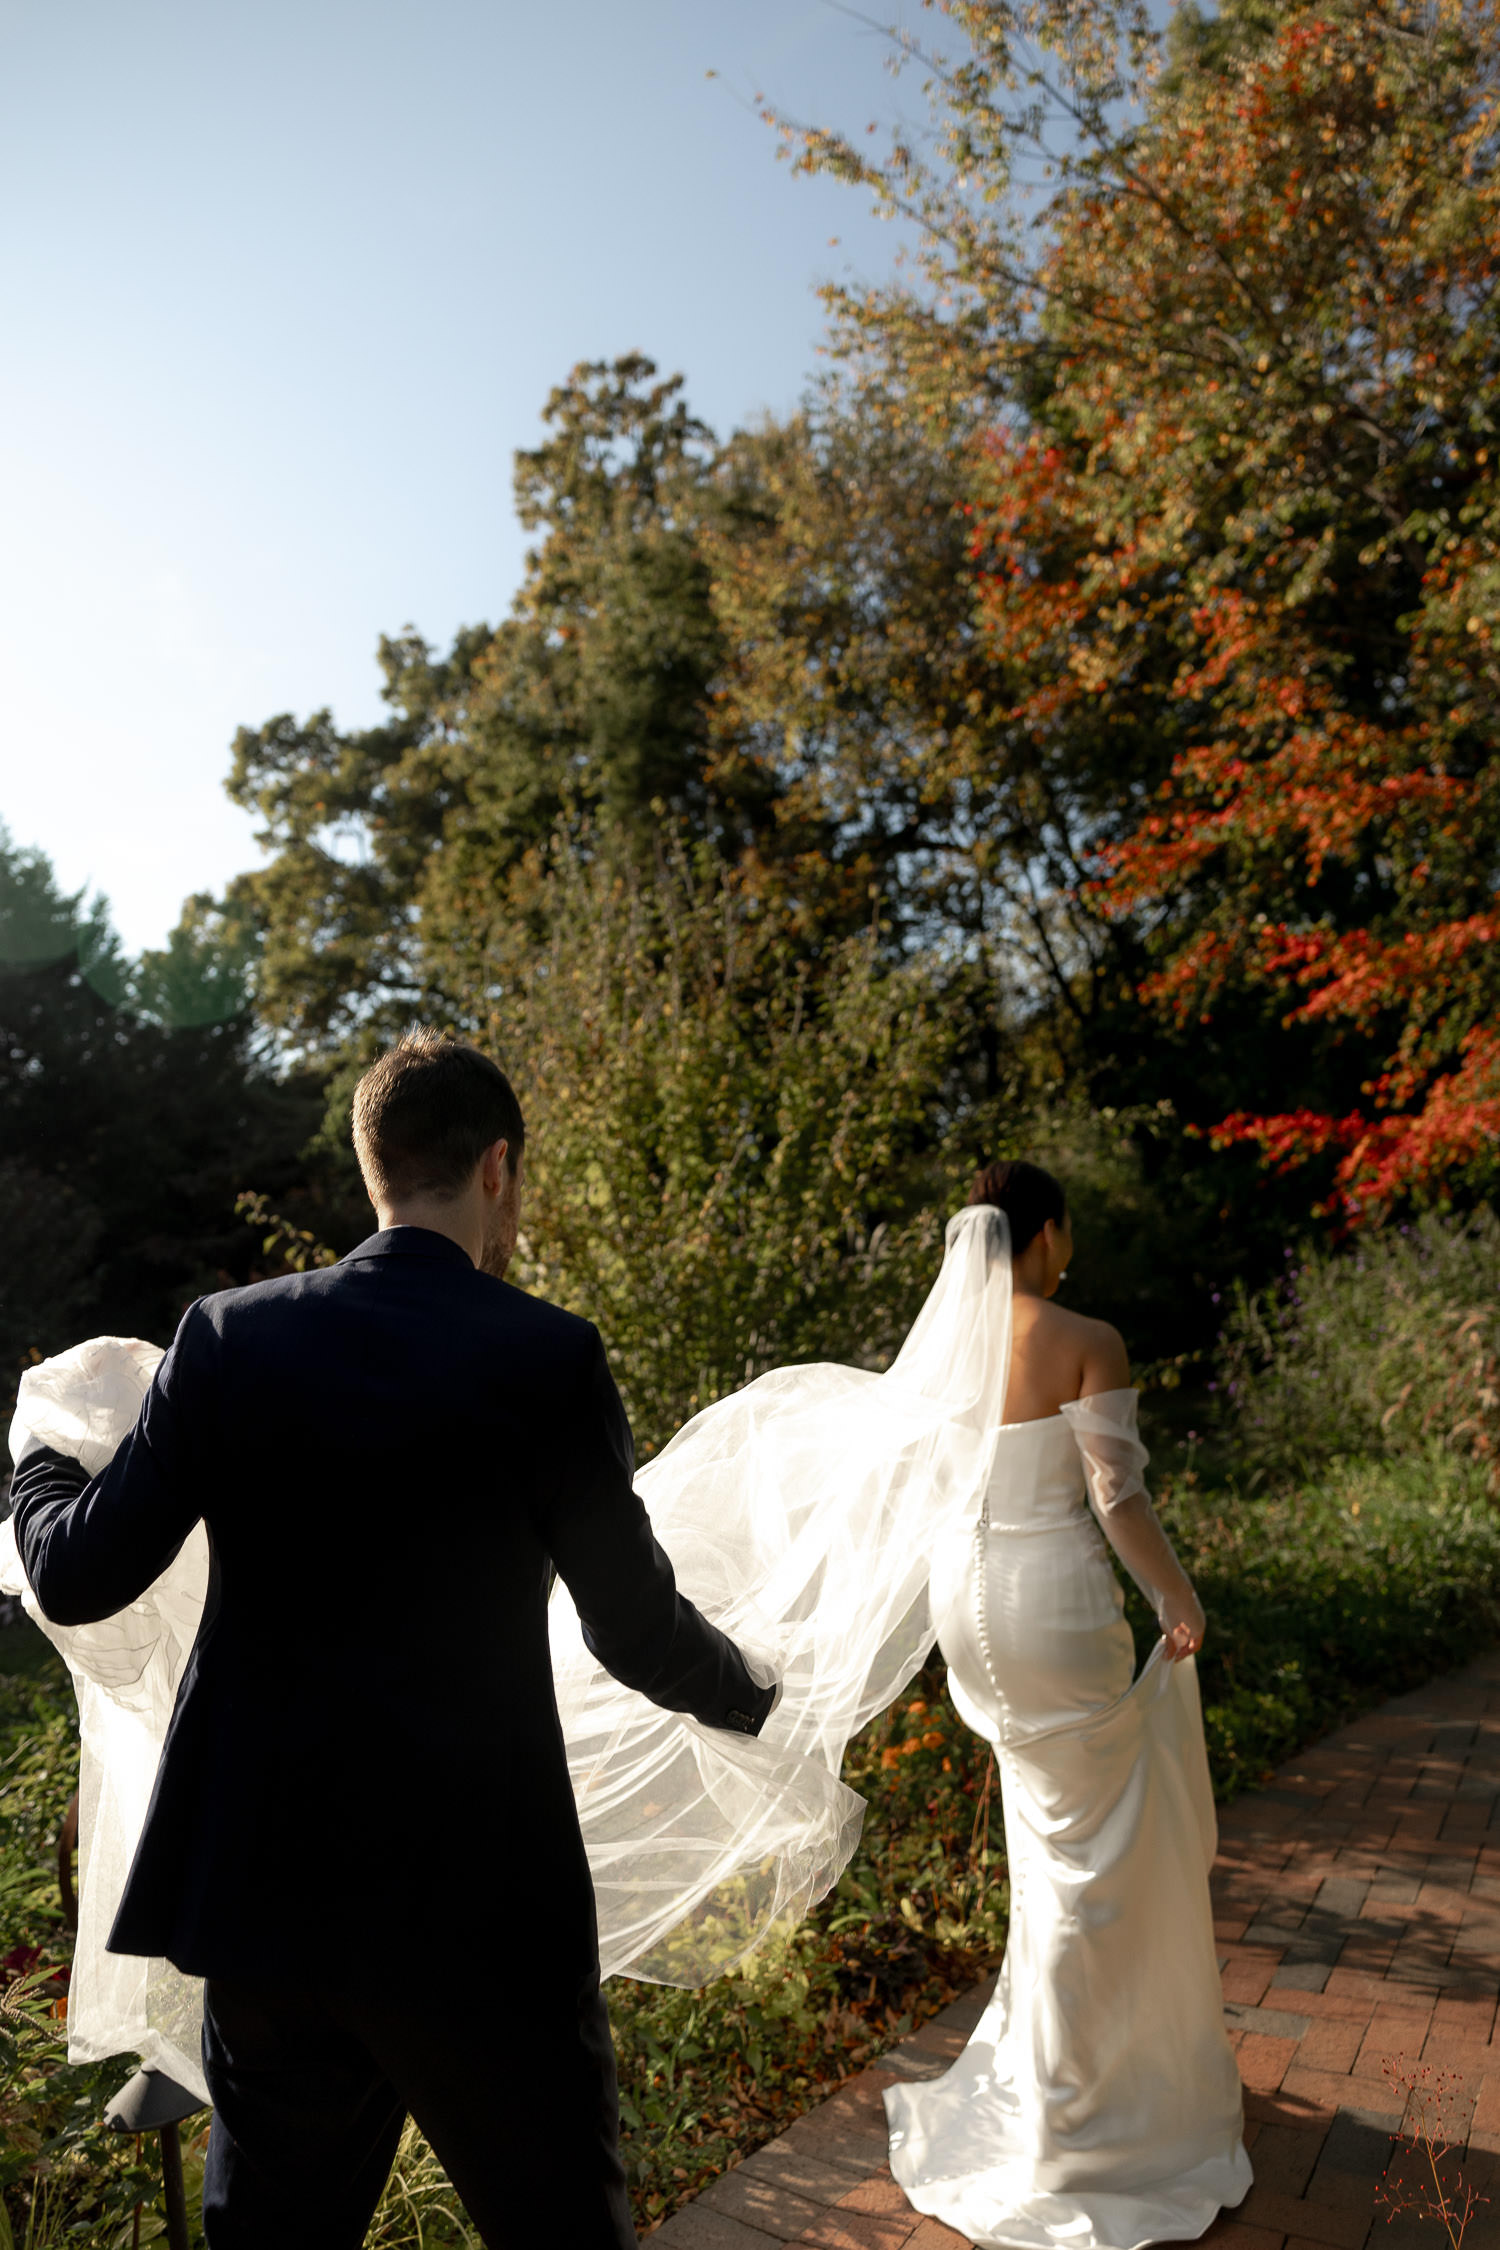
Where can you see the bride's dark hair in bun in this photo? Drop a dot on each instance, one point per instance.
(1027, 1195)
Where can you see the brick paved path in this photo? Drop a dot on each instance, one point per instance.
(1357, 1902)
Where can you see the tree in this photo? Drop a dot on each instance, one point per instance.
(124, 1136)
(590, 704)
(741, 1150)
(854, 662)
(1235, 524)
(1017, 794)
(769, 644)
(1334, 813)
(735, 1148)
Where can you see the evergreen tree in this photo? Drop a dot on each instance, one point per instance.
(124, 1136)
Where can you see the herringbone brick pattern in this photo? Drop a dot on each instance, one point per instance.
(1357, 1902)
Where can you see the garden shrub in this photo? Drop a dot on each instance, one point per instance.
(1324, 1601)
(1387, 1347)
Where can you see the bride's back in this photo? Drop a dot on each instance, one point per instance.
(1057, 1356)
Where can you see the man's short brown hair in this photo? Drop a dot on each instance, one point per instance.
(425, 1114)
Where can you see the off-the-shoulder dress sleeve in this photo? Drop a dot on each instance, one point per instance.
(1114, 1465)
(1114, 1459)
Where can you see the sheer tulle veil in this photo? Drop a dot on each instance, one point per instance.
(802, 1514)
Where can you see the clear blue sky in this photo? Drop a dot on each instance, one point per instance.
(285, 284)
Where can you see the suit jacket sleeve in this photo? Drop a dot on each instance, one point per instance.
(634, 1620)
(91, 1547)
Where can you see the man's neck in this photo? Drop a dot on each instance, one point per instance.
(457, 1220)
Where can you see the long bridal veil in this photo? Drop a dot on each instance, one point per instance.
(801, 1514)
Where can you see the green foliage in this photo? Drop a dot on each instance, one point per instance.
(1390, 1346)
(39, 1770)
(1325, 1601)
(851, 667)
(419, 2209)
(284, 1247)
(732, 1148)
(741, 1151)
(594, 693)
(202, 975)
(48, 1278)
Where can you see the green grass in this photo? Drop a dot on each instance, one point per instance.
(1367, 1582)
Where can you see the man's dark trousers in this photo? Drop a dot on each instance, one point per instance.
(515, 2094)
(362, 1832)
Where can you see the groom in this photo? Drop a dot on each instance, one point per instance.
(362, 1832)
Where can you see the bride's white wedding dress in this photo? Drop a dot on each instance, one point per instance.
(1097, 2104)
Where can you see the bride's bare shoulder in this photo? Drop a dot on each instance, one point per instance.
(1097, 1349)
(1106, 1363)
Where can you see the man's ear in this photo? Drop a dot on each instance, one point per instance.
(493, 1167)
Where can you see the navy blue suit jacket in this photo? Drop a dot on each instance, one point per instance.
(364, 1770)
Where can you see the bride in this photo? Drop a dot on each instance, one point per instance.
(836, 1522)
(1098, 2102)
